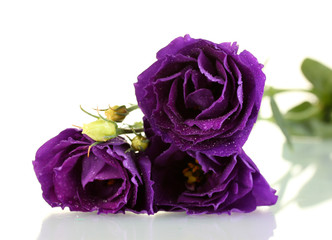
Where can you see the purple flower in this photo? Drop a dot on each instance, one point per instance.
(199, 183)
(202, 96)
(109, 180)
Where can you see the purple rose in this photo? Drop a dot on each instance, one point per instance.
(109, 180)
(202, 96)
(199, 183)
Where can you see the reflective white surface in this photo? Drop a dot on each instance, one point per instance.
(258, 226)
(56, 55)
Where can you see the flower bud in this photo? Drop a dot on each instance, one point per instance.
(116, 113)
(139, 143)
(100, 130)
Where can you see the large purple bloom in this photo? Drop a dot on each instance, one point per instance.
(199, 183)
(202, 96)
(109, 180)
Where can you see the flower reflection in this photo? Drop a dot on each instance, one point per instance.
(313, 156)
(257, 225)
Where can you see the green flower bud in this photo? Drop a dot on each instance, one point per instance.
(100, 130)
(116, 113)
(139, 143)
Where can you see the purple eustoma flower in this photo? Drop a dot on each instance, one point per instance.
(198, 183)
(202, 96)
(110, 180)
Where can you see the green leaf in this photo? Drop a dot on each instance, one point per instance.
(303, 111)
(137, 125)
(301, 107)
(321, 78)
(280, 121)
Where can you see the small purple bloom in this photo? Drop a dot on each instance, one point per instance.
(202, 96)
(200, 183)
(108, 181)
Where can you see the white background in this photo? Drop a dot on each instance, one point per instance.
(56, 55)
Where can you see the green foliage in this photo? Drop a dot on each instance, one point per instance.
(307, 118)
(271, 91)
(303, 111)
(279, 119)
(320, 77)
(137, 125)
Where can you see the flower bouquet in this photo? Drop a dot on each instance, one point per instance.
(200, 101)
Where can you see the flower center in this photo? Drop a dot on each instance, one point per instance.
(110, 182)
(194, 175)
(103, 189)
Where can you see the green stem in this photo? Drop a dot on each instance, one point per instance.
(102, 110)
(107, 120)
(132, 108)
(127, 131)
(88, 113)
(295, 90)
(271, 91)
(91, 146)
(269, 119)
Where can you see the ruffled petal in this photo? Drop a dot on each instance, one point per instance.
(174, 46)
